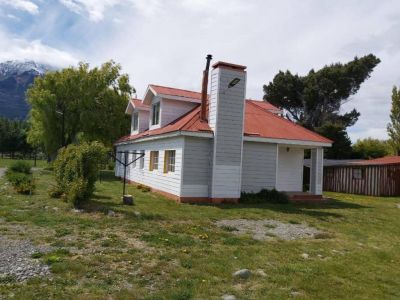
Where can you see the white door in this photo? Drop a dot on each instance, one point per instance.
(290, 169)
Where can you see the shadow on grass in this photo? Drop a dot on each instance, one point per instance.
(308, 209)
(107, 176)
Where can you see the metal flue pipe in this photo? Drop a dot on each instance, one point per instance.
(204, 87)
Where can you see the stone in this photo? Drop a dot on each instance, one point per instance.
(305, 256)
(127, 199)
(243, 274)
(228, 297)
(111, 213)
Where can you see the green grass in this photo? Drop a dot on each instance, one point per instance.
(158, 249)
(6, 162)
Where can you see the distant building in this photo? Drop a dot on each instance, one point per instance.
(375, 177)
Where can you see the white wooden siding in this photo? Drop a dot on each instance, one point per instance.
(173, 109)
(196, 167)
(143, 120)
(226, 118)
(168, 182)
(290, 169)
(259, 166)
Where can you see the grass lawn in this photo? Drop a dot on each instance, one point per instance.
(158, 249)
(6, 162)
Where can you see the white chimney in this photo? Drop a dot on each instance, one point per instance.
(226, 115)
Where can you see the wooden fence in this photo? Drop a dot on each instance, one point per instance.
(373, 180)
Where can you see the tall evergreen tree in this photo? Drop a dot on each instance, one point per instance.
(393, 127)
(315, 100)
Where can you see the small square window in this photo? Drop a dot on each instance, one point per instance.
(357, 173)
(153, 160)
(169, 161)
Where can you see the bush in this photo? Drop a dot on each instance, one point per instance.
(76, 170)
(265, 196)
(20, 166)
(21, 182)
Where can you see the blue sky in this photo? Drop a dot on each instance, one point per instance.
(165, 42)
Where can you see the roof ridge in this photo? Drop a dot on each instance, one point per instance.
(169, 87)
(290, 122)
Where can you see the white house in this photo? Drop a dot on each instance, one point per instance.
(210, 148)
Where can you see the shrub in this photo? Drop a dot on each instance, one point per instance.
(20, 166)
(21, 182)
(264, 196)
(76, 170)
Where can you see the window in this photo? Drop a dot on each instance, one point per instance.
(141, 160)
(153, 160)
(133, 159)
(357, 174)
(155, 114)
(169, 161)
(135, 121)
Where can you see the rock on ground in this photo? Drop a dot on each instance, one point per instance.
(16, 261)
(228, 297)
(268, 229)
(243, 274)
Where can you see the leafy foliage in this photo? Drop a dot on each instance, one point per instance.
(264, 196)
(20, 166)
(394, 125)
(315, 100)
(79, 104)
(20, 177)
(76, 171)
(371, 148)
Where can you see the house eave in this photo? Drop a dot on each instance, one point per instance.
(286, 141)
(167, 135)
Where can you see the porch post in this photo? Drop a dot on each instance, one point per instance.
(316, 171)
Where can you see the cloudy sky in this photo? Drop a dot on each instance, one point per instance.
(165, 42)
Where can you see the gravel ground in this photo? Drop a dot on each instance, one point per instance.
(16, 261)
(268, 229)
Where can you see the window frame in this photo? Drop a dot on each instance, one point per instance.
(154, 160)
(169, 161)
(141, 160)
(357, 175)
(135, 121)
(155, 113)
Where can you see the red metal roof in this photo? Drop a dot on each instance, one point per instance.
(259, 122)
(388, 160)
(138, 103)
(175, 92)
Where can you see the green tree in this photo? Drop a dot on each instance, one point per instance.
(393, 127)
(315, 100)
(371, 148)
(78, 104)
(13, 137)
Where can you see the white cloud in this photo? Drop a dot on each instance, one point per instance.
(19, 49)
(24, 5)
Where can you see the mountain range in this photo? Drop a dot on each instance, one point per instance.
(15, 79)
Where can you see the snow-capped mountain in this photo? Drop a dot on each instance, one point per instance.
(15, 78)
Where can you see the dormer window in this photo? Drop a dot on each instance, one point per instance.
(135, 121)
(155, 119)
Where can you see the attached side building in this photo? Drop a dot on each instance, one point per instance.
(242, 146)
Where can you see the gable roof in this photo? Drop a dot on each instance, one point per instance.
(136, 103)
(261, 121)
(168, 91)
